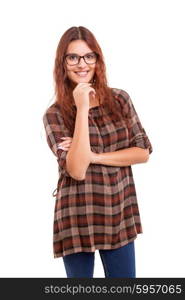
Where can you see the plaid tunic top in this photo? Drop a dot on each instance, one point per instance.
(101, 211)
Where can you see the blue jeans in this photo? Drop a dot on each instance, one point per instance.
(117, 263)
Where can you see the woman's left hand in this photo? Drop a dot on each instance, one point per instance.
(65, 144)
(94, 158)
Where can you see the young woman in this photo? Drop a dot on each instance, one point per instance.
(96, 135)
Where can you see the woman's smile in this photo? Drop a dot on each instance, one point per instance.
(82, 73)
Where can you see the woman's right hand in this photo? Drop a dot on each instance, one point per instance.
(81, 94)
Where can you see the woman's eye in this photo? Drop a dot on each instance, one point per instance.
(89, 56)
(73, 57)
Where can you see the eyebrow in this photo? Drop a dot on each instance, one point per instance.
(79, 54)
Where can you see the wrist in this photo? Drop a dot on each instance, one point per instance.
(94, 158)
(82, 109)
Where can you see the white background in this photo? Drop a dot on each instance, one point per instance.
(143, 46)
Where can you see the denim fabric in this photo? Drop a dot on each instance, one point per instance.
(117, 263)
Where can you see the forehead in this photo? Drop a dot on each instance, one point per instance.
(79, 47)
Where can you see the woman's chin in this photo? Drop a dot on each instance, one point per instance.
(81, 80)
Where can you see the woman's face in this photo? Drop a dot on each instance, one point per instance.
(81, 72)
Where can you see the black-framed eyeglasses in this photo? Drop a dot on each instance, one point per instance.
(74, 59)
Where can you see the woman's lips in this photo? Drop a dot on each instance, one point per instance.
(82, 74)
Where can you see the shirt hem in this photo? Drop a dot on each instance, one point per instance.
(94, 248)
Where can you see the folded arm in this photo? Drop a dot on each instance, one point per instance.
(123, 157)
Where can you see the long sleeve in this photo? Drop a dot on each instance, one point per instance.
(55, 130)
(137, 134)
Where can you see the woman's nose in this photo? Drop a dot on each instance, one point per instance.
(82, 62)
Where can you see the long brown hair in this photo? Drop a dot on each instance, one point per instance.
(64, 87)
